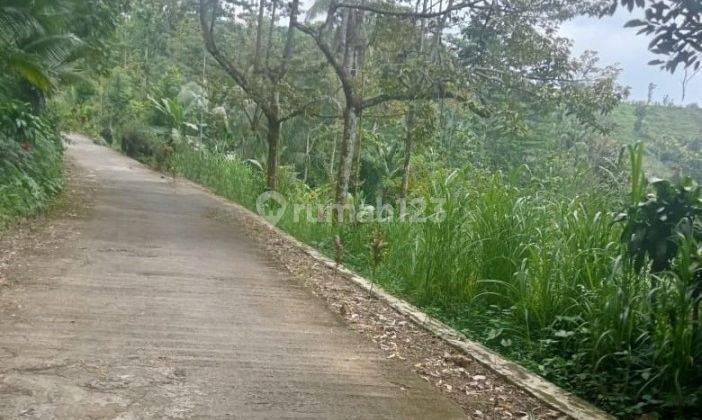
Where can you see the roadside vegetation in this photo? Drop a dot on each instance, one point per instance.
(30, 169)
(44, 45)
(533, 226)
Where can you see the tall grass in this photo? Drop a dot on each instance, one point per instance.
(528, 272)
(230, 178)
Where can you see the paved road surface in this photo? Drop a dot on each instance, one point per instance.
(158, 310)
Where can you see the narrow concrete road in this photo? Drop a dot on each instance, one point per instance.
(156, 309)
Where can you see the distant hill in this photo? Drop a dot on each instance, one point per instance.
(672, 135)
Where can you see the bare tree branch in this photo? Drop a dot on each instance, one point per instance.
(408, 96)
(325, 48)
(393, 11)
(208, 37)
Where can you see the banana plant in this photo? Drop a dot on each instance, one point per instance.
(174, 117)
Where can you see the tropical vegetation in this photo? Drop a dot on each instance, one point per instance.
(536, 220)
(43, 45)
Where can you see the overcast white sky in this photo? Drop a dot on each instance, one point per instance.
(616, 44)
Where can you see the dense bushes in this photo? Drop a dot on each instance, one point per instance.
(538, 276)
(30, 162)
(143, 144)
(136, 143)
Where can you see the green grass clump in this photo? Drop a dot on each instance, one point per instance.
(230, 178)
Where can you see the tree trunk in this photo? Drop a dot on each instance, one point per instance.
(356, 171)
(270, 32)
(259, 35)
(348, 139)
(409, 142)
(273, 138)
(307, 158)
(422, 28)
(332, 159)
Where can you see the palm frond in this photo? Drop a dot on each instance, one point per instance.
(30, 70)
(16, 22)
(54, 48)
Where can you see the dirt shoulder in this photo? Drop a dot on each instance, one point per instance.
(49, 231)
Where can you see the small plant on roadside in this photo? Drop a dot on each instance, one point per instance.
(338, 251)
(377, 251)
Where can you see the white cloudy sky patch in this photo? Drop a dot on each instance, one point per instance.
(618, 45)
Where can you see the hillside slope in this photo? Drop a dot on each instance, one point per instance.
(673, 136)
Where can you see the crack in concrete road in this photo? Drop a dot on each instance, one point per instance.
(154, 309)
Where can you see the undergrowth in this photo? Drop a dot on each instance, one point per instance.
(30, 163)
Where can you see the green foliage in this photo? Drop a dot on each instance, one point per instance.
(43, 40)
(42, 46)
(144, 144)
(30, 162)
(656, 225)
(638, 177)
(672, 136)
(227, 176)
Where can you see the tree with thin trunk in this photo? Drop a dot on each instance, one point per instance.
(262, 74)
(341, 39)
(345, 59)
(436, 74)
